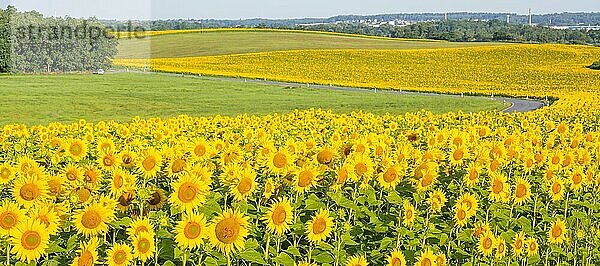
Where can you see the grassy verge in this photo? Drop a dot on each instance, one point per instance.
(42, 99)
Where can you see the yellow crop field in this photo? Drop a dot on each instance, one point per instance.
(314, 187)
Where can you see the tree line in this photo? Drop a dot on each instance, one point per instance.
(467, 31)
(30, 42)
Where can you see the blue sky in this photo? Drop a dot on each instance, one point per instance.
(237, 9)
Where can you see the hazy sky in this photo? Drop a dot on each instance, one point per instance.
(237, 9)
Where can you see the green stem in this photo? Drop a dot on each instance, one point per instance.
(184, 260)
(567, 203)
(267, 247)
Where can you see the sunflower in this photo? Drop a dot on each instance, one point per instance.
(244, 185)
(441, 259)
(30, 190)
(325, 156)
(157, 199)
(486, 243)
(518, 244)
(279, 217)
(191, 231)
(88, 253)
(427, 258)
(396, 258)
(29, 240)
(107, 161)
(188, 193)
(143, 246)
(202, 172)
(409, 214)
(458, 155)
(47, 216)
(500, 248)
(576, 179)
(76, 149)
(120, 182)
(92, 176)
(202, 149)
(471, 178)
(140, 225)
(480, 229)
(357, 261)
(390, 177)
(532, 247)
(425, 176)
(177, 166)
(150, 162)
(228, 231)
(73, 174)
(7, 173)
(499, 189)
(56, 186)
(119, 255)
(11, 215)
(280, 161)
(436, 200)
(126, 159)
(92, 220)
(522, 191)
(461, 215)
(305, 178)
(556, 189)
(558, 232)
(270, 188)
(125, 201)
(320, 226)
(231, 155)
(105, 145)
(341, 177)
(361, 168)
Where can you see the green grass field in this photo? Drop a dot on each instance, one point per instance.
(239, 42)
(42, 99)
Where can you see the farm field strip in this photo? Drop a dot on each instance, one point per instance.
(223, 42)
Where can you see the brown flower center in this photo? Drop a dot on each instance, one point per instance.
(8, 220)
(227, 230)
(245, 185)
(279, 215)
(279, 160)
(319, 226)
(91, 219)
(29, 192)
(31, 240)
(192, 230)
(187, 192)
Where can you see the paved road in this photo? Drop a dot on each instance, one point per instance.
(517, 105)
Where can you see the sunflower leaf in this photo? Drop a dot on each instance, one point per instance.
(72, 242)
(253, 256)
(285, 259)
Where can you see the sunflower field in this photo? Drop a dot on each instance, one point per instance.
(450, 189)
(314, 187)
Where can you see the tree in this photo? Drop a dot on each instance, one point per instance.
(59, 44)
